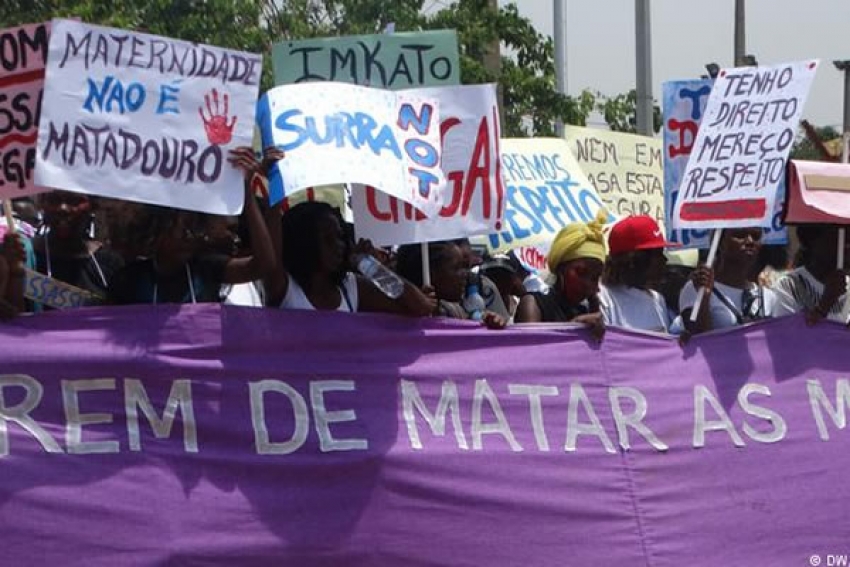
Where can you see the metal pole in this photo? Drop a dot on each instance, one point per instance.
(560, 22)
(740, 33)
(493, 64)
(845, 150)
(643, 38)
(846, 97)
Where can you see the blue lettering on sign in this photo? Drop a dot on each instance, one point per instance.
(419, 151)
(112, 95)
(354, 129)
(545, 208)
(168, 94)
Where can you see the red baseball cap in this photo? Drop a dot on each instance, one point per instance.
(639, 232)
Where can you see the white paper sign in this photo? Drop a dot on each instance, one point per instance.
(145, 118)
(474, 198)
(546, 190)
(340, 133)
(742, 146)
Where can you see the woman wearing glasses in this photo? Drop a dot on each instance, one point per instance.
(733, 298)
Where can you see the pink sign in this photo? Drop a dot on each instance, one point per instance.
(818, 192)
(23, 52)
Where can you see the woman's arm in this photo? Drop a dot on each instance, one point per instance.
(265, 260)
(702, 277)
(413, 302)
(528, 311)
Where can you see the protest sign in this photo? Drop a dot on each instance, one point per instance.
(626, 170)
(546, 190)
(145, 118)
(337, 196)
(474, 196)
(532, 258)
(684, 105)
(742, 146)
(195, 449)
(338, 133)
(390, 61)
(23, 52)
(819, 192)
(56, 294)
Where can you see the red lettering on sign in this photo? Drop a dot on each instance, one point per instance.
(683, 128)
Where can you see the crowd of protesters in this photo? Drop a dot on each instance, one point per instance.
(625, 275)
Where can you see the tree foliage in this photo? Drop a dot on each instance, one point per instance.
(805, 149)
(526, 74)
(620, 112)
(531, 104)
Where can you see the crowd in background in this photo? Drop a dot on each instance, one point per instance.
(626, 275)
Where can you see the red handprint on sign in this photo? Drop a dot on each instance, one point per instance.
(215, 121)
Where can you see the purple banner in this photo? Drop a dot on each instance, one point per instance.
(210, 435)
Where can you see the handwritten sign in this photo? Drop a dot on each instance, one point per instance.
(739, 156)
(23, 52)
(145, 118)
(546, 190)
(532, 258)
(338, 133)
(391, 61)
(56, 294)
(474, 198)
(626, 170)
(684, 105)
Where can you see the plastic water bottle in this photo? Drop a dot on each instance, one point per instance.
(384, 279)
(473, 303)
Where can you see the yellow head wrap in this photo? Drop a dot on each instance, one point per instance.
(579, 240)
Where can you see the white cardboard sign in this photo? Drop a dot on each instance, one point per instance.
(145, 118)
(340, 133)
(474, 198)
(742, 147)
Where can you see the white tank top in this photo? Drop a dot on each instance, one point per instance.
(297, 299)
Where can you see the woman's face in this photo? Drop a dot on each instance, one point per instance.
(579, 279)
(741, 245)
(449, 276)
(331, 245)
(67, 214)
(180, 240)
(657, 262)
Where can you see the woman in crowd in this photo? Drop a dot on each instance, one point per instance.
(732, 295)
(313, 269)
(449, 277)
(817, 287)
(635, 265)
(507, 275)
(677, 272)
(576, 259)
(12, 257)
(179, 269)
(66, 251)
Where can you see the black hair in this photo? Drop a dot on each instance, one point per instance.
(809, 235)
(154, 221)
(628, 269)
(300, 228)
(409, 259)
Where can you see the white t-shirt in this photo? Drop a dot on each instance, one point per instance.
(245, 294)
(634, 308)
(799, 290)
(764, 304)
(297, 299)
